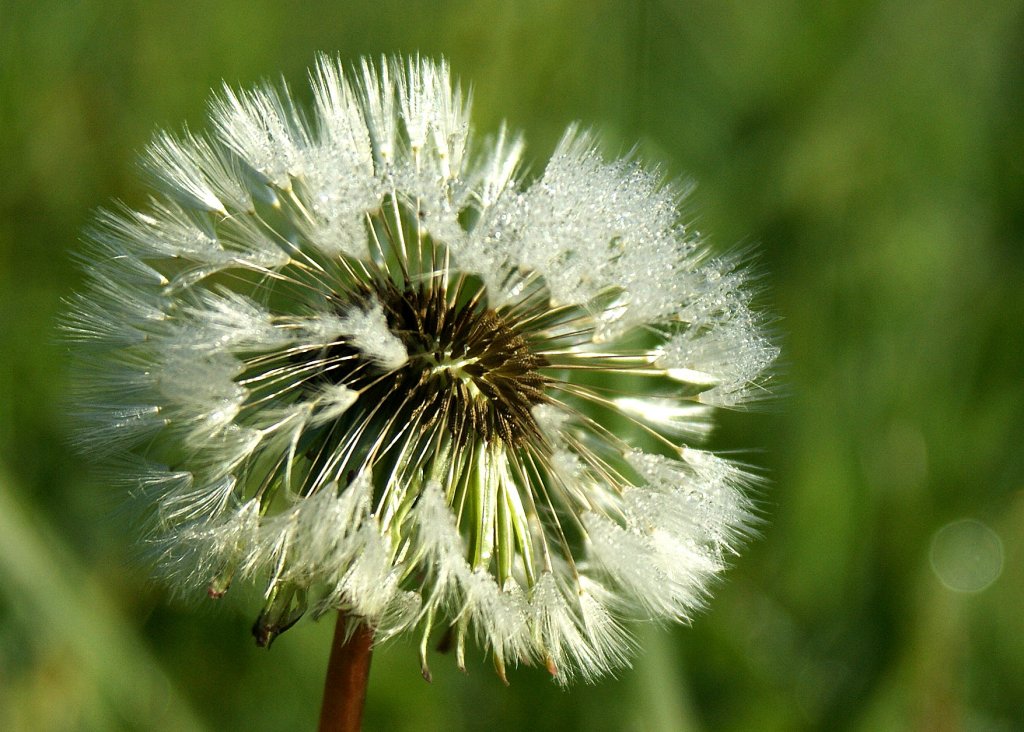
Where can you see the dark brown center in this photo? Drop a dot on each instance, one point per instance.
(469, 369)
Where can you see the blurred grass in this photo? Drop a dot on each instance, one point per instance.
(873, 150)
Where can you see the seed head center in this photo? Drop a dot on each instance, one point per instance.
(470, 369)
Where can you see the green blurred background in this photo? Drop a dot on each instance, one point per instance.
(874, 154)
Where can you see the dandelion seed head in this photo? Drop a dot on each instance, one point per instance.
(355, 357)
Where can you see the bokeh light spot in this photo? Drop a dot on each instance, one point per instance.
(966, 555)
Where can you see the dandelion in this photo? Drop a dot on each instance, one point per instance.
(362, 360)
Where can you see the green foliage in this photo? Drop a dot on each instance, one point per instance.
(871, 150)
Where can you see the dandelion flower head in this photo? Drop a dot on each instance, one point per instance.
(361, 359)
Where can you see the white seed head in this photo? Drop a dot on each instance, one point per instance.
(351, 356)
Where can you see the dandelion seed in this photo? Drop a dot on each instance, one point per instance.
(370, 366)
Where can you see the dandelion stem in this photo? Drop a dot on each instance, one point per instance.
(347, 674)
